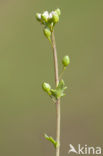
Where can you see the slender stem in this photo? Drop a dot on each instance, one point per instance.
(55, 59)
(61, 73)
(58, 100)
(58, 127)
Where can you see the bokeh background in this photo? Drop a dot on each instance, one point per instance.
(26, 113)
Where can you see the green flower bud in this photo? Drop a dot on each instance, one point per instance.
(45, 16)
(38, 16)
(47, 33)
(55, 17)
(58, 11)
(66, 61)
(46, 87)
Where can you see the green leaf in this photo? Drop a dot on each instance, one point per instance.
(59, 91)
(51, 140)
(61, 84)
(53, 92)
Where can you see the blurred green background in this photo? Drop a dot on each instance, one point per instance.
(26, 113)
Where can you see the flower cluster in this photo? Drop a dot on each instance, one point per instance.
(48, 20)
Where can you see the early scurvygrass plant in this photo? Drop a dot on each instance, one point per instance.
(48, 21)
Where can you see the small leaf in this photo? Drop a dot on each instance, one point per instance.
(51, 140)
(53, 92)
(59, 91)
(61, 84)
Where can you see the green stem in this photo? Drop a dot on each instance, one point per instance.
(61, 73)
(58, 100)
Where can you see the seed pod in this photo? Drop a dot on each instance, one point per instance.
(66, 61)
(58, 11)
(46, 87)
(47, 33)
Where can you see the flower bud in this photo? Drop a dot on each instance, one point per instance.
(58, 11)
(66, 61)
(47, 33)
(50, 20)
(46, 87)
(55, 17)
(38, 16)
(45, 16)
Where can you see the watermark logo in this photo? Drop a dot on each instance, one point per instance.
(90, 150)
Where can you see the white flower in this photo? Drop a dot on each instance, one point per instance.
(39, 15)
(45, 14)
(51, 14)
